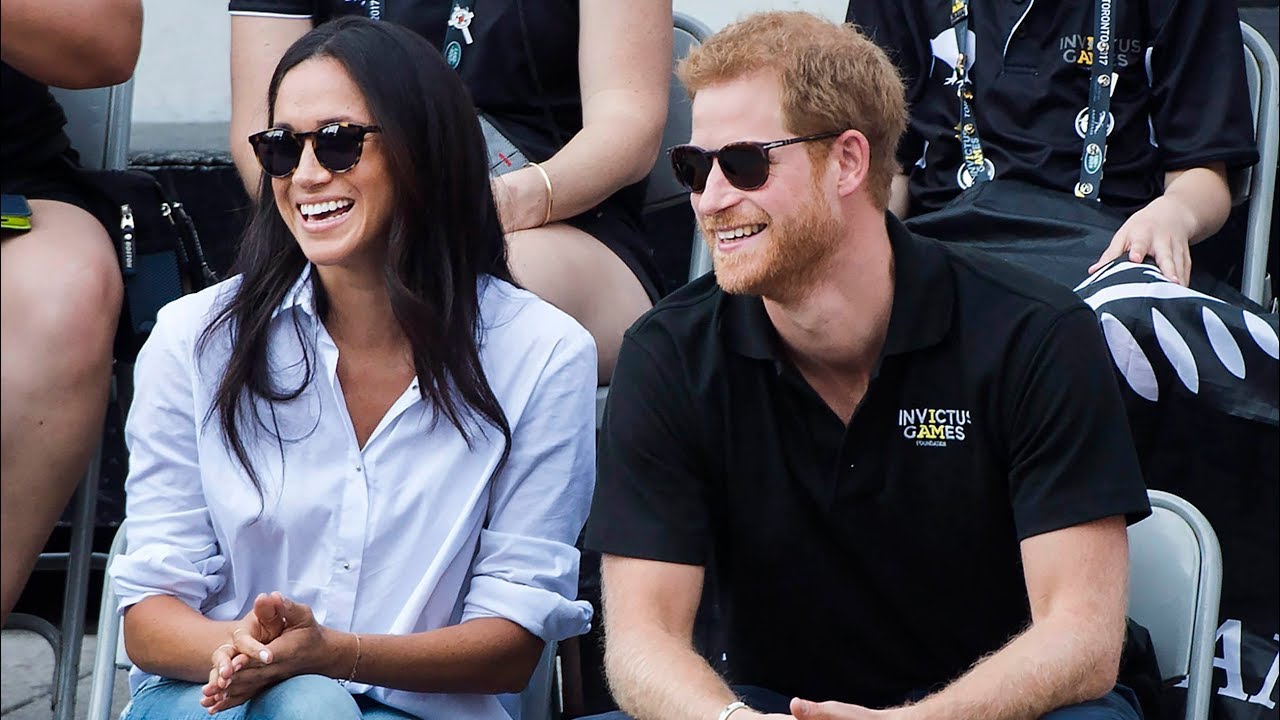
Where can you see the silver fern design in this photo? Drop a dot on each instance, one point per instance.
(1157, 329)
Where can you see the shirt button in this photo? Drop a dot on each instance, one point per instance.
(346, 566)
(357, 468)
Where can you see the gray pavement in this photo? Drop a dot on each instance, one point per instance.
(26, 678)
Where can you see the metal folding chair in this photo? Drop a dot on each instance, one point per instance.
(1257, 185)
(1175, 583)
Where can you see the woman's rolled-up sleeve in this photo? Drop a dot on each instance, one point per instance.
(172, 549)
(526, 567)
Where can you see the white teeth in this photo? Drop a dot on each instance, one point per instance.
(309, 209)
(738, 232)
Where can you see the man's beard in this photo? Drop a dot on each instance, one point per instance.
(785, 265)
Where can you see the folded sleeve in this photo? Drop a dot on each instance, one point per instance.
(526, 567)
(171, 545)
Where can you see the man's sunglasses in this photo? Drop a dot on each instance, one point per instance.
(337, 147)
(744, 164)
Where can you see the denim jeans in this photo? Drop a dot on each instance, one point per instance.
(1119, 704)
(305, 697)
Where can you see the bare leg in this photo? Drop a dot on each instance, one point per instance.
(60, 293)
(573, 271)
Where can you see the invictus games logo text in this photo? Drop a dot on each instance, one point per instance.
(933, 427)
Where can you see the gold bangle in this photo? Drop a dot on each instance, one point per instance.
(355, 664)
(546, 180)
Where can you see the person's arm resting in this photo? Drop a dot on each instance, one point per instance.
(72, 43)
(174, 563)
(1194, 205)
(624, 73)
(1077, 580)
(257, 44)
(654, 671)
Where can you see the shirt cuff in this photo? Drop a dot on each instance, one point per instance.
(529, 581)
(191, 576)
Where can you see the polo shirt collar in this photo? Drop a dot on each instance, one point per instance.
(923, 296)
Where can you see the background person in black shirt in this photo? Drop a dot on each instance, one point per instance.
(61, 281)
(906, 461)
(580, 87)
(1180, 115)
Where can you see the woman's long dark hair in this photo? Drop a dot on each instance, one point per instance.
(444, 233)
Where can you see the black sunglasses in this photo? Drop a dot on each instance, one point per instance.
(337, 147)
(744, 164)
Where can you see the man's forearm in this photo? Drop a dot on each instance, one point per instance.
(1051, 665)
(657, 677)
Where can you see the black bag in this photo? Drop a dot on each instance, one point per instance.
(159, 250)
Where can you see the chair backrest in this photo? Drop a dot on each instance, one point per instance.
(1257, 184)
(98, 122)
(1175, 582)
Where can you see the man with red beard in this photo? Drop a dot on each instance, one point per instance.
(905, 463)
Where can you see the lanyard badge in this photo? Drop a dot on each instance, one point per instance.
(459, 26)
(1102, 83)
(975, 169)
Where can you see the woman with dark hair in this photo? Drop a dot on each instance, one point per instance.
(357, 469)
(578, 87)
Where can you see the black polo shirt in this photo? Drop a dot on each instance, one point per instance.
(1180, 100)
(862, 563)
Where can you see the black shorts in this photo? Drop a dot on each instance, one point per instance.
(56, 180)
(617, 231)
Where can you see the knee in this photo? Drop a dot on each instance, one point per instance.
(306, 697)
(76, 305)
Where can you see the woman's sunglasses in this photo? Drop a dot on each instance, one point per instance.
(337, 147)
(744, 164)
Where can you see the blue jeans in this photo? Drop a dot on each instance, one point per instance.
(305, 697)
(1119, 704)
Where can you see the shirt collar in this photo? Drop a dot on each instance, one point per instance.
(301, 295)
(923, 296)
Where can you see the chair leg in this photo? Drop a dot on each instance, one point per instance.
(75, 598)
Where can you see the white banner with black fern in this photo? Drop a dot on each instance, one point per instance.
(1166, 338)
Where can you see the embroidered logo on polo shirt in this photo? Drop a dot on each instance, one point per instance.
(933, 427)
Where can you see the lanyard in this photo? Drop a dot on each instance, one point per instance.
(1101, 85)
(974, 162)
(458, 33)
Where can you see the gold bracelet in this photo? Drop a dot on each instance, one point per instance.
(546, 180)
(355, 664)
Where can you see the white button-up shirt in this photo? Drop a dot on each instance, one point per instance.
(402, 536)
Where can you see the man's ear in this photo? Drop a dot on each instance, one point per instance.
(852, 154)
